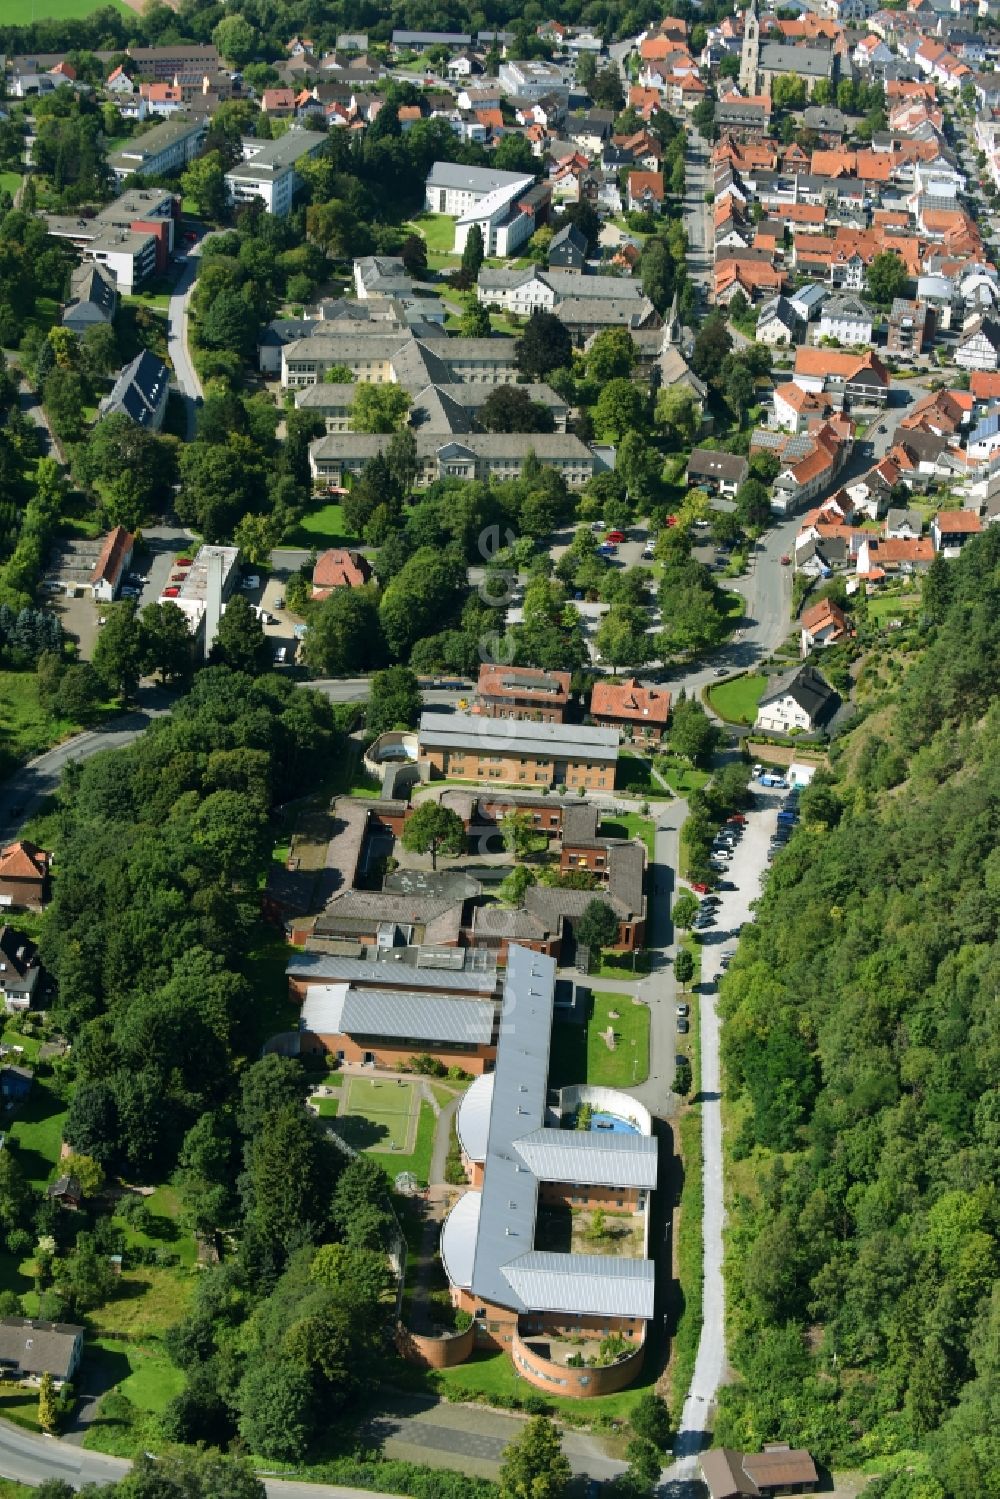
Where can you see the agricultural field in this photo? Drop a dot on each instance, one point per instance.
(27, 12)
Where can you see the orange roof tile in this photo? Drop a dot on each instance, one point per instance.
(630, 701)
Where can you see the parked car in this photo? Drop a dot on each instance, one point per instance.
(712, 900)
(250, 582)
(738, 820)
(699, 888)
(183, 562)
(683, 1025)
(786, 561)
(683, 1009)
(170, 593)
(279, 602)
(722, 671)
(280, 656)
(616, 536)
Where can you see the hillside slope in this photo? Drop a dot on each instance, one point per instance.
(862, 1059)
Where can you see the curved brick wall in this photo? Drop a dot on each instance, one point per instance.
(435, 1352)
(557, 1379)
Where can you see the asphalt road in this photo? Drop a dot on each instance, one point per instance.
(749, 860)
(177, 349)
(31, 1459)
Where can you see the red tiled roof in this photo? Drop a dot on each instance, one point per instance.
(525, 681)
(631, 702)
(959, 522)
(23, 861)
(114, 554)
(337, 568)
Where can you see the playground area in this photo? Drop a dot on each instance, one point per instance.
(379, 1114)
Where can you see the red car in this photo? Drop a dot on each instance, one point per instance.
(736, 817)
(183, 562)
(615, 536)
(191, 236)
(786, 561)
(697, 886)
(170, 593)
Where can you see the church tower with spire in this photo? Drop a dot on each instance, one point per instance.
(750, 57)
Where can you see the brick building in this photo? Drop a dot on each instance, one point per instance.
(528, 1301)
(24, 876)
(465, 746)
(522, 692)
(637, 712)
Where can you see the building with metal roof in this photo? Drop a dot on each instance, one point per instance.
(466, 746)
(519, 1160)
(426, 1020)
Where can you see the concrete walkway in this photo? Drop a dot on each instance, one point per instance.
(442, 1138)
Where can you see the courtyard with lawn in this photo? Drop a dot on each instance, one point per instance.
(325, 527)
(611, 1049)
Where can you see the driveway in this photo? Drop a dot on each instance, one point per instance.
(749, 862)
(160, 545)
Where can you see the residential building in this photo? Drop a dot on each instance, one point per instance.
(718, 472)
(799, 699)
(910, 328)
(163, 151)
(531, 289)
(638, 713)
(201, 590)
(808, 300)
(24, 876)
(20, 969)
(338, 568)
(30, 1348)
(645, 192)
(93, 298)
(112, 564)
(951, 529)
(978, 347)
(131, 238)
(778, 323)
(520, 1299)
(267, 170)
(846, 319)
(15, 1084)
(522, 692)
(779, 1469)
(857, 379)
(821, 625)
(140, 392)
(466, 747)
(568, 249)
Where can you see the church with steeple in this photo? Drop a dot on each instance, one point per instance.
(750, 56)
(761, 64)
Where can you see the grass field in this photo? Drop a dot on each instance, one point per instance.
(26, 728)
(736, 701)
(10, 182)
(893, 606)
(681, 777)
(630, 825)
(379, 1115)
(38, 1132)
(325, 527)
(146, 1301)
(580, 1054)
(437, 230)
(26, 12)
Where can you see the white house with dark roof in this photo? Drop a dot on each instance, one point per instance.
(800, 700)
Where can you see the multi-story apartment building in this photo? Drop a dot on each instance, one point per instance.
(163, 151)
(267, 170)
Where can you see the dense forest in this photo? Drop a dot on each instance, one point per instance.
(862, 1060)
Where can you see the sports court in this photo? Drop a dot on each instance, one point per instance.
(379, 1114)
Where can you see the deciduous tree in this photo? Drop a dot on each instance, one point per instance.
(432, 828)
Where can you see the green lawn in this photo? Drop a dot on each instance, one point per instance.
(681, 777)
(735, 607)
(27, 12)
(492, 1374)
(736, 700)
(437, 229)
(325, 527)
(164, 1230)
(630, 825)
(10, 182)
(419, 1163)
(37, 1131)
(26, 728)
(580, 1054)
(892, 606)
(633, 775)
(139, 1381)
(146, 1301)
(20, 1405)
